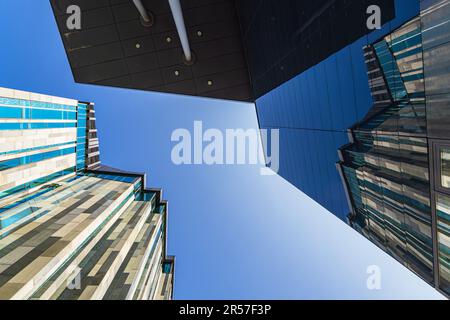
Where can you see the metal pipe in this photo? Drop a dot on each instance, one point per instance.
(177, 14)
(142, 10)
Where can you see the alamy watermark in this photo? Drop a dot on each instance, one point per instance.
(374, 20)
(229, 147)
(74, 280)
(374, 279)
(74, 20)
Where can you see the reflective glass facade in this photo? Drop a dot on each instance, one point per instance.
(385, 167)
(435, 19)
(445, 168)
(314, 110)
(443, 212)
(382, 103)
(395, 168)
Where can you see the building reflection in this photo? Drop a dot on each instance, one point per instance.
(396, 167)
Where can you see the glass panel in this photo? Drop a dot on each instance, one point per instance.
(9, 164)
(36, 183)
(445, 167)
(81, 136)
(443, 213)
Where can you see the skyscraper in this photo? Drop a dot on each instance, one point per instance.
(71, 228)
(314, 109)
(395, 168)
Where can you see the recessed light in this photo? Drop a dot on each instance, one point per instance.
(177, 73)
(168, 39)
(199, 33)
(138, 45)
(210, 83)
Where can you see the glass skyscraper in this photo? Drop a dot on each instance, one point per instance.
(384, 102)
(314, 109)
(395, 168)
(71, 228)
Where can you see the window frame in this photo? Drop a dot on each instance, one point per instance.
(437, 166)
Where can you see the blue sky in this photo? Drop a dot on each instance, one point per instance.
(236, 234)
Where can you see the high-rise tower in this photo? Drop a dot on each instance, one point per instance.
(71, 228)
(395, 169)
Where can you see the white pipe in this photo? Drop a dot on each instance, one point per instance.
(181, 27)
(142, 10)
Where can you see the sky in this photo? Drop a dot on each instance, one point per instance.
(236, 234)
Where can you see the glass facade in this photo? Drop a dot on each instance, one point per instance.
(388, 184)
(443, 213)
(445, 168)
(60, 212)
(435, 19)
(36, 183)
(24, 114)
(35, 132)
(81, 135)
(396, 167)
(436, 44)
(313, 111)
(392, 136)
(9, 164)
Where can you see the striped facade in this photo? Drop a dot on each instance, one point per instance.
(377, 82)
(70, 229)
(92, 149)
(395, 170)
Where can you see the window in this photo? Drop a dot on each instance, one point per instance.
(443, 215)
(441, 163)
(445, 167)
